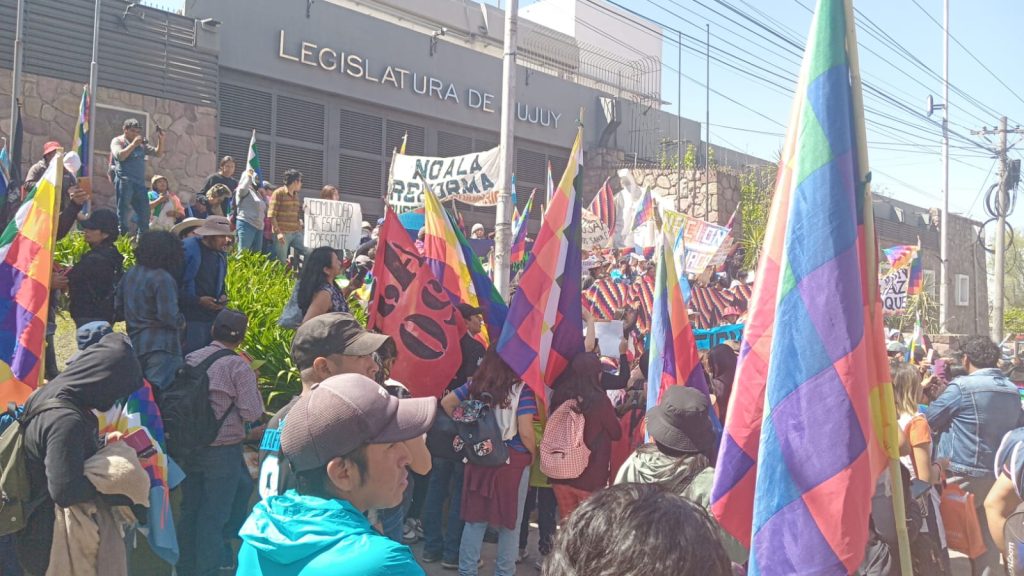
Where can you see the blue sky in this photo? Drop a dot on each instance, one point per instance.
(904, 147)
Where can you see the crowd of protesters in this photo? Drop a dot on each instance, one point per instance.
(348, 474)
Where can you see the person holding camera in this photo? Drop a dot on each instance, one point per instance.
(128, 154)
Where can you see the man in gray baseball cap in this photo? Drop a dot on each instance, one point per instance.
(345, 441)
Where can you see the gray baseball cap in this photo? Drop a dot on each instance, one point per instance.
(345, 412)
(333, 333)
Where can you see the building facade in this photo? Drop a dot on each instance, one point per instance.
(900, 223)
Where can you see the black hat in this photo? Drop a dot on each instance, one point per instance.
(103, 220)
(680, 421)
(468, 311)
(230, 323)
(332, 333)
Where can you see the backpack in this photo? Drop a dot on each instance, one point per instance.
(15, 507)
(189, 421)
(291, 316)
(480, 432)
(443, 440)
(563, 453)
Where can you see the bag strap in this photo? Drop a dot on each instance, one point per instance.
(45, 405)
(204, 366)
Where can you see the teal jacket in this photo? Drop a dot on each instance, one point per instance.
(296, 535)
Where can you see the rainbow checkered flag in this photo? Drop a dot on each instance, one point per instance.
(603, 206)
(674, 360)
(26, 259)
(456, 267)
(812, 422)
(908, 255)
(544, 327)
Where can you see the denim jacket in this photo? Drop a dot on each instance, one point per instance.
(970, 419)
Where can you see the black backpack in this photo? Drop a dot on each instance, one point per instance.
(189, 421)
(480, 433)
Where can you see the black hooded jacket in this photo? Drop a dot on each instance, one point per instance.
(91, 283)
(59, 441)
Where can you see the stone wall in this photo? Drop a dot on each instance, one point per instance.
(50, 111)
(714, 201)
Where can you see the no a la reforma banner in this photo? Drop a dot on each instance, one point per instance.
(470, 178)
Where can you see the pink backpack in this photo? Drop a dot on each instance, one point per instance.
(563, 453)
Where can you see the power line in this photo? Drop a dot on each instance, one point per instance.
(969, 53)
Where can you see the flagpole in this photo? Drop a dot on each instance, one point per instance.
(19, 47)
(863, 178)
(94, 81)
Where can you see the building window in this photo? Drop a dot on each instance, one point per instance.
(108, 125)
(928, 277)
(963, 289)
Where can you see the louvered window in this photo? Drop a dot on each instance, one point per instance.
(480, 145)
(395, 132)
(557, 167)
(449, 144)
(300, 120)
(238, 148)
(530, 166)
(309, 161)
(244, 108)
(361, 132)
(360, 176)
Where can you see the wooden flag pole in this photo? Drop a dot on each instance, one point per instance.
(57, 188)
(863, 178)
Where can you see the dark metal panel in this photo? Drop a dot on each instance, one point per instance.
(361, 132)
(149, 52)
(360, 176)
(309, 161)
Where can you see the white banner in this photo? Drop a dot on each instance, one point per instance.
(472, 178)
(894, 290)
(706, 244)
(331, 223)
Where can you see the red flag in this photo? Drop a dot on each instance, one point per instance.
(409, 305)
(603, 206)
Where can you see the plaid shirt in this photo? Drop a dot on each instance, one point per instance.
(284, 211)
(232, 387)
(148, 298)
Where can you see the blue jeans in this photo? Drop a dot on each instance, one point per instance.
(131, 195)
(445, 484)
(291, 240)
(159, 367)
(473, 539)
(216, 479)
(249, 237)
(198, 334)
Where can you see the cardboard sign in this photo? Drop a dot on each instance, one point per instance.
(595, 233)
(893, 288)
(331, 223)
(472, 178)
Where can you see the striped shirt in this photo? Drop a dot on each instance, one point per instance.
(284, 211)
(1010, 459)
(232, 387)
(527, 407)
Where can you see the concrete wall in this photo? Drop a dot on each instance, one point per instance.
(50, 111)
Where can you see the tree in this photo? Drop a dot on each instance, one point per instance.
(690, 158)
(757, 185)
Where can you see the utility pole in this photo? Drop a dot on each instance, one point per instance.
(944, 232)
(679, 122)
(503, 220)
(707, 122)
(1002, 205)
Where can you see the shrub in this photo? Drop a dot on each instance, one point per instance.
(261, 288)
